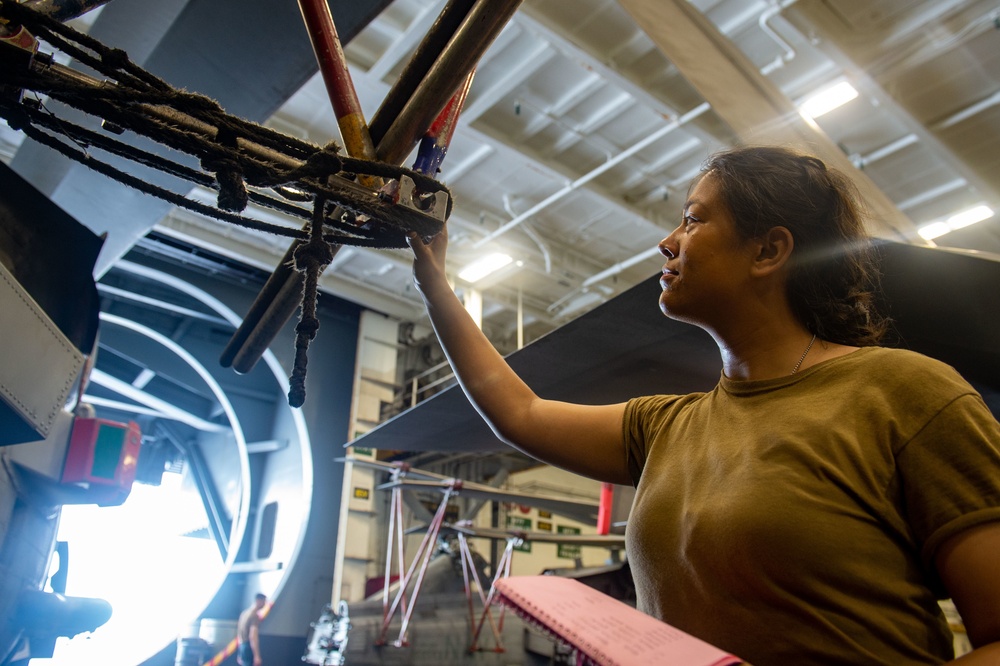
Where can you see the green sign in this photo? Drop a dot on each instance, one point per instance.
(567, 551)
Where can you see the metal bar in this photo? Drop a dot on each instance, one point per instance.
(401, 547)
(416, 68)
(280, 295)
(168, 410)
(487, 609)
(337, 77)
(271, 310)
(160, 304)
(393, 510)
(420, 560)
(459, 57)
(434, 145)
(217, 523)
(432, 535)
(503, 571)
(278, 299)
(466, 564)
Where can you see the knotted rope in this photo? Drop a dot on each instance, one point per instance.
(310, 259)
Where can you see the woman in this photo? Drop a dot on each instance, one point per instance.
(813, 507)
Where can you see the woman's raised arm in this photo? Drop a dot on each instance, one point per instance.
(584, 439)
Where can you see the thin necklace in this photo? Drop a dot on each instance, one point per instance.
(804, 354)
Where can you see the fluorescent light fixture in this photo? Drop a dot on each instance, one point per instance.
(956, 221)
(828, 99)
(480, 268)
(933, 230)
(971, 216)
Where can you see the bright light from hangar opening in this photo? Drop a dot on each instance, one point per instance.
(136, 556)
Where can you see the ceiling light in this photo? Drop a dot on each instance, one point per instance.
(971, 216)
(827, 100)
(933, 230)
(480, 268)
(956, 221)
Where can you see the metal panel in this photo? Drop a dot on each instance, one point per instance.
(34, 348)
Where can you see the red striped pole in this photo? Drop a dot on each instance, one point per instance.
(339, 86)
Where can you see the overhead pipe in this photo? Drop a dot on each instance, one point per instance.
(762, 21)
(586, 178)
(933, 193)
(861, 161)
(621, 266)
(968, 112)
(546, 254)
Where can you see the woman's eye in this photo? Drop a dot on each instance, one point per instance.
(688, 219)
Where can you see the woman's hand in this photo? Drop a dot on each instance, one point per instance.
(429, 261)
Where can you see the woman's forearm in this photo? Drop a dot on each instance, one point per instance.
(491, 385)
(585, 439)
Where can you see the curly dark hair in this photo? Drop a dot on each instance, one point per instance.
(833, 274)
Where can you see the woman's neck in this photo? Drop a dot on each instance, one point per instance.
(773, 355)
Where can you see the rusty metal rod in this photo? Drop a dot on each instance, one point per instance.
(337, 77)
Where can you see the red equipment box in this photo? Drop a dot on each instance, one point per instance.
(102, 458)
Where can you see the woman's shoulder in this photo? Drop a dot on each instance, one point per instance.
(904, 359)
(908, 371)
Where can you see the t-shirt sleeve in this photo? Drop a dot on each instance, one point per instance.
(951, 473)
(643, 419)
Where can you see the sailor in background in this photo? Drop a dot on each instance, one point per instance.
(248, 633)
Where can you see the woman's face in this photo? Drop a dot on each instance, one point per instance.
(707, 267)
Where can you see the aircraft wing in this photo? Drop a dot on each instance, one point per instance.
(944, 303)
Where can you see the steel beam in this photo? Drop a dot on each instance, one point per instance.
(753, 106)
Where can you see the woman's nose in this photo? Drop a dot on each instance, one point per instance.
(667, 248)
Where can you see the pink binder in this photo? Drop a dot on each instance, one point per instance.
(603, 630)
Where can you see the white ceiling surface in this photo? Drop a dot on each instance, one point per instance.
(580, 131)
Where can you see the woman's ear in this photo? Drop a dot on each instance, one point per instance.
(774, 251)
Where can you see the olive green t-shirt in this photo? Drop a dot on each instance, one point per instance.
(796, 520)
